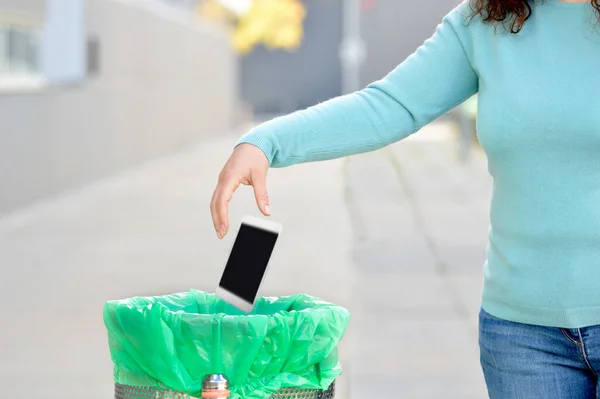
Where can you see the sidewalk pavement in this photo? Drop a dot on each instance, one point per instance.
(420, 227)
(397, 236)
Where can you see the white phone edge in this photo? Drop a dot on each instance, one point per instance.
(234, 300)
(229, 296)
(264, 224)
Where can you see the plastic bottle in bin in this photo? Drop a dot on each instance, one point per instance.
(215, 386)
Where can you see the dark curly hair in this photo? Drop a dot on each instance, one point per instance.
(511, 13)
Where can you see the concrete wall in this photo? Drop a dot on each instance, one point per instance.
(26, 12)
(162, 84)
(24, 5)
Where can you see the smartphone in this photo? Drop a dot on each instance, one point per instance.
(248, 262)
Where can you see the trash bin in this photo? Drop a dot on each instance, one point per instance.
(129, 392)
(162, 347)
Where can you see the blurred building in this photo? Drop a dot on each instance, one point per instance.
(276, 82)
(89, 87)
(393, 29)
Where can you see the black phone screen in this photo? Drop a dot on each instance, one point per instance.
(248, 261)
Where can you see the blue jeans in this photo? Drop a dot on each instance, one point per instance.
(522, 361)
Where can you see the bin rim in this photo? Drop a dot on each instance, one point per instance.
(322, 305)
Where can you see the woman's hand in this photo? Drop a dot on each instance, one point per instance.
(247, 165)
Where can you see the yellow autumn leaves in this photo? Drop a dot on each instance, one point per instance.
(277, 24)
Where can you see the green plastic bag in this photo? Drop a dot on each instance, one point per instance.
(173, 341)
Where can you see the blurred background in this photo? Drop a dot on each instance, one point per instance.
(115, 119)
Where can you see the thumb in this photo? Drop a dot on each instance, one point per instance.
(259, 183)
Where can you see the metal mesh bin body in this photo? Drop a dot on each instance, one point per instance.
(130, 392)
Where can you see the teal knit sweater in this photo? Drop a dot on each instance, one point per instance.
(539, 124)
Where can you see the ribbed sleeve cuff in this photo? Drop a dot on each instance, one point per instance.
(262, 142)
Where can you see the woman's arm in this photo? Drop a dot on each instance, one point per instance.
(433, 80)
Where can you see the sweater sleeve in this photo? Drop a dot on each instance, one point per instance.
(434, 79)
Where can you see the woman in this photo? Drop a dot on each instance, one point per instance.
(536, 68)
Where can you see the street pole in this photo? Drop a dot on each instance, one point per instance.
(352, 51)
